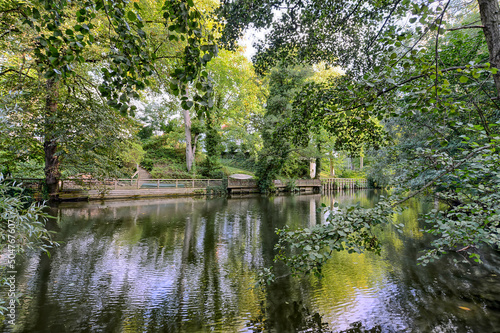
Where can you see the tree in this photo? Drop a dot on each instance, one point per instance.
(284, 84)
(64, 46)
(133, 155)
(238, 101)
(299, 112)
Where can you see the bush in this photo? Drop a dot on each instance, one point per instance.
(22, 226)
(170, 171)
(158, 151)
(346, 173)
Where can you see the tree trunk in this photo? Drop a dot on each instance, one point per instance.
(52, 162)
(189, 146)
(312, 168)
(361, 162)
(490, 18)
(318, 163)
(332, 170)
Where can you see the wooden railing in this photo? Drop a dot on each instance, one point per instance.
(68, 184)
(330, 184)
(156, 183)
(90, 183)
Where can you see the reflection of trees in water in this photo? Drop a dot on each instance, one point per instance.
(448, 295)
(287, 316)
(186, 265)
(357, 327)
(284, 309)
(175, 268)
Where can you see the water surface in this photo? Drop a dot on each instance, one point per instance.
(187, 265)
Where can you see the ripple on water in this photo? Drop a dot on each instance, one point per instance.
(365, 292)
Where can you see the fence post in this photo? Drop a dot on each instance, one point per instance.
(157, 183)
(193, 184)
(116, 184)
(176, 183)
(208, 183)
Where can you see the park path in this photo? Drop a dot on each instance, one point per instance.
(143, 174)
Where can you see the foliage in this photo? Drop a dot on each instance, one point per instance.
(429, 76)
(346, 173)
(22, 226)
(240, 161)
(300, 123)
(311, 31)
(159, 150)
(237, 102)
(350, 228)
(284, 83)
(27, 217)
(133, 156)
(90, 59)
(170, 171)
(211, 165)
(218, 190)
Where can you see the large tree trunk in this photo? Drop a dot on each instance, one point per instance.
(361, 162)
(490, 18)
(189, 147)
(52, 162)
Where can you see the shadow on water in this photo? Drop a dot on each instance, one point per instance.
(188, 265)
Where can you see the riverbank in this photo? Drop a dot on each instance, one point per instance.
(93, 189)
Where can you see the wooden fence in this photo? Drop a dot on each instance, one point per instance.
(333, 184)
(124, 184)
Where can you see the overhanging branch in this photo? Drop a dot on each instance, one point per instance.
(448, 169)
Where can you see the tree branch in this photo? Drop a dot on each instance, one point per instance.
(15, 71)
(448, 169)
(8, 32)
(467, 27)
(383, 25)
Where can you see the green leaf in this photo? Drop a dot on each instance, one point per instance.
(36, 14)
(131, 16)
(463, 79)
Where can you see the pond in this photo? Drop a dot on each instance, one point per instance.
(190, 265)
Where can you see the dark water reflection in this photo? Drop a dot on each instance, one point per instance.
(186, 265)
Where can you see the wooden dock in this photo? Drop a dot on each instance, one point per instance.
(250, 185)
